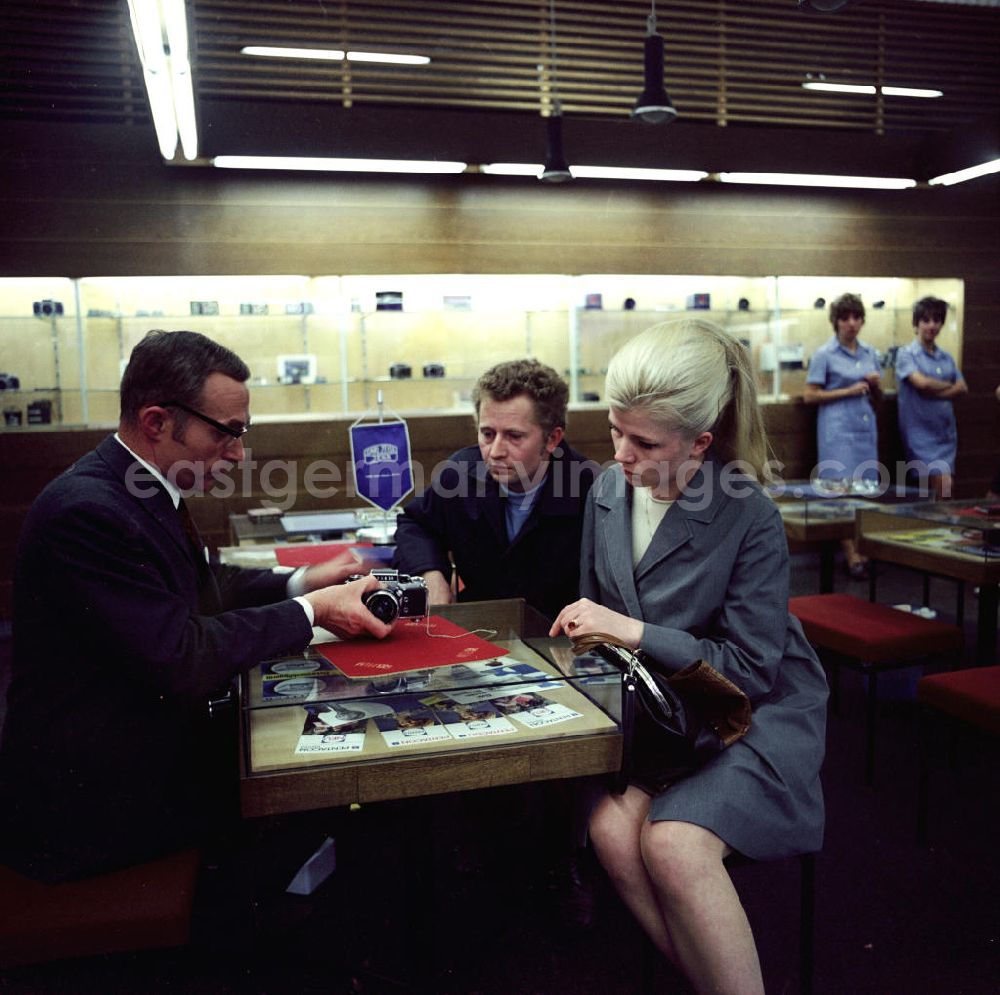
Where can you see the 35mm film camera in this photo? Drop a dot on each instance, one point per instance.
(401, 596)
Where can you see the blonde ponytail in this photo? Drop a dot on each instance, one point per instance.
(693, 377)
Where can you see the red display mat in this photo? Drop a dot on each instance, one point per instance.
(319, 552)
(409, 647)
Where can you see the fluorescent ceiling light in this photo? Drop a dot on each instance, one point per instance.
(389, 57)
(961, 175)
(338, 165)
(159, 27)
(812, 84)
(820, 180)
(870, 89)
(274, 52)
(910, 91)
(512, 168)
(334, 55)
(631, 173)
(598, 172)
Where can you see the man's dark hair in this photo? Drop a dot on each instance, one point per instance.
(173, 366)
(929, 309)
(548, 392)
(845, 306)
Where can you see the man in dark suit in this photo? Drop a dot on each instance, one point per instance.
(508, 511)
(123, 629)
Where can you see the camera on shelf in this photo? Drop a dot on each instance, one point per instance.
(432, 370)
(402, 596)
(400, 371)
(47, 308)
(9, 382)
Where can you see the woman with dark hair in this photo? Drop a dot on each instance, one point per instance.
(928, 379)
(844, 380)
(684, 558)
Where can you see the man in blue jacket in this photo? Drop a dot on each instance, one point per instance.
(507, 512)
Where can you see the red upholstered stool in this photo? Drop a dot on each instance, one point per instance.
(968, 696)
(870, 638)
(136, 908)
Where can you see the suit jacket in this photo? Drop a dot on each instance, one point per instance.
(121, 632)
(713, 585)
(462, 514)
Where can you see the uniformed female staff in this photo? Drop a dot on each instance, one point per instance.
(684, 557)
(843, 380)
(928, 379)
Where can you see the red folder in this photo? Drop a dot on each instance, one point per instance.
(307, 554)
(414, 644)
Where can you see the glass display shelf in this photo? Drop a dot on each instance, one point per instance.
(532, 711)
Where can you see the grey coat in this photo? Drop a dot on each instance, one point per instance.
(713, 585)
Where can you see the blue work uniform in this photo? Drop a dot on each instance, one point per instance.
(846, 433)
(926, 423)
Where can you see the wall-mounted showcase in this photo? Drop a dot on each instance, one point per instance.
(329, 344)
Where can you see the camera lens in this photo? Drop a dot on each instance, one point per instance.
(383, 604)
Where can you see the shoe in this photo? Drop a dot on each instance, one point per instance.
(858, 570)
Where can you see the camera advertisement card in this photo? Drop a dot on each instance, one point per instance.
(485, 679)
(319, 736)
(412, 724)
(470, 721)
(533, 711)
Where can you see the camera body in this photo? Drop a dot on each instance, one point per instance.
(9, 382)
(47, 308)
(401, 596)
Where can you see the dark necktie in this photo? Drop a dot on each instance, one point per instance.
(191, 531)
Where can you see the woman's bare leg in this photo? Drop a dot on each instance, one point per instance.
(705, 920)
(616, 826)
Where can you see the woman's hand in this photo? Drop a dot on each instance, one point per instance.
(584, 616)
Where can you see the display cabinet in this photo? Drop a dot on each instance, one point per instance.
(329, 344)
(314, 737)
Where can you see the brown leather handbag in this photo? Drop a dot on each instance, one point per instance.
(697, 712)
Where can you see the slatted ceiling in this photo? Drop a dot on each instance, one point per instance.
(727, 61)
(69, 60)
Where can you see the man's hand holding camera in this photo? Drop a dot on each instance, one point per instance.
(341, 610)
(348, 603)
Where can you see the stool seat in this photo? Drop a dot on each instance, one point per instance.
(875, 633)
(970, 695)
(136, 908)
(871, 639)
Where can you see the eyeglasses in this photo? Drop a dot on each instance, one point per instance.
(233, 433)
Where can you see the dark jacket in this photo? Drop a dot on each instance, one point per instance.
(462, 513)
(121, 634)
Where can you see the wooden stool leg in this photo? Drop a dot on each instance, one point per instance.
(807, 920)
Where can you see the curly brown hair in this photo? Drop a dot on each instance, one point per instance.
(548, 392)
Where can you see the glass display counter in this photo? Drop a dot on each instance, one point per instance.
(956, 539)
(314, 737)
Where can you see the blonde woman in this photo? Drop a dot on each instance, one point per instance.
(684, 557)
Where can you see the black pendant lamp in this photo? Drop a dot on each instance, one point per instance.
(555, 169)
(823, 6)
(653, 105)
